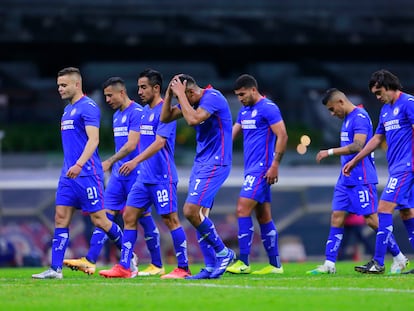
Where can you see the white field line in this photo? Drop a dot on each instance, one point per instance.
(207, 284)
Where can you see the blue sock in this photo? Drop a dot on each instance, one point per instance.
(152, 239)
(59, 244)
(245, 237)
(128, 243)
(97, 242)
(392, 246)
(409, 226)
(115, 234)
(180, 247)
(383, 235)
(333, 243)
(208, 253)
(209, 233)
(269, 236)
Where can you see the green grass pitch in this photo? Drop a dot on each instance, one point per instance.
(293, 290)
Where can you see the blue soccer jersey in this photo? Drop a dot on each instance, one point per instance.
(395, 122)
(84, 112)
(357, 122)
(258, 138)
(160, 168)
(124, 121)
(213, 136)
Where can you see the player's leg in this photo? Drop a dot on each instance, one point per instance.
(138, 196)
(341, 203)
(269, 235)
(180, 247)
(246, 203)
(400, 261)
(122, 270)
(203, 188)
(66, 199)
(152, 240)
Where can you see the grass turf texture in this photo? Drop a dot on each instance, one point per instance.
(293, 290)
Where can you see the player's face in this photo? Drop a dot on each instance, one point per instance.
(383, 95)
(67, 87)
(192, 96)
(145, 91)
(113, 97)
(336, 109)
(245, 96)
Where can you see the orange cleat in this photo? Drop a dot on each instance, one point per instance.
(117, 271)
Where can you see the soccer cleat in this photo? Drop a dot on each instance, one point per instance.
(81, 264)
(49, 274)
(372, 267)
(322, 269)
(269, 270)
(117, 271)
(202, 275)
(408, 272)
(398, 266)
(152, 270)
(134, 265)
(222, 263)
(177, 273)
(239, 267)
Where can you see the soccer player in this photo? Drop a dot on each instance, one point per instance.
(395, 126)
(264, 143)
(81, 181)
(156, 183)
(356, 193)
(126, 122)
(208, 111)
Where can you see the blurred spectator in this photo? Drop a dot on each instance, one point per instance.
(7, 253)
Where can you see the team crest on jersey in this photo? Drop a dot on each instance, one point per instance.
(254, 113)
(396, 111)
(151, 117)
(123, 119)
(73, 112)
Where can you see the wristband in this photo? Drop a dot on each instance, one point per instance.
(78, 165)
(330, 152)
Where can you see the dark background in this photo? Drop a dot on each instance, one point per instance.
(296, 49)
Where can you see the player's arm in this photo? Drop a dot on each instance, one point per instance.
(354, 147)
(152, 149)
(237, 129)
(193, 117)
(93, 141)
(168, 112)
(127, 148)
(279, 129)
(371, 145)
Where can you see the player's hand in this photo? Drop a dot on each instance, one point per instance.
(176, 86)
(127, 168)
(106, 165)
(322, 154)
(347, 168)
(272, 175)
(74, 171)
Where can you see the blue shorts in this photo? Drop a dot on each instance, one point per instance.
(399, 190)
(205, 181)
(358, 199)
(83, 192)
(116, 193)
(162, 196)
(255, 187)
